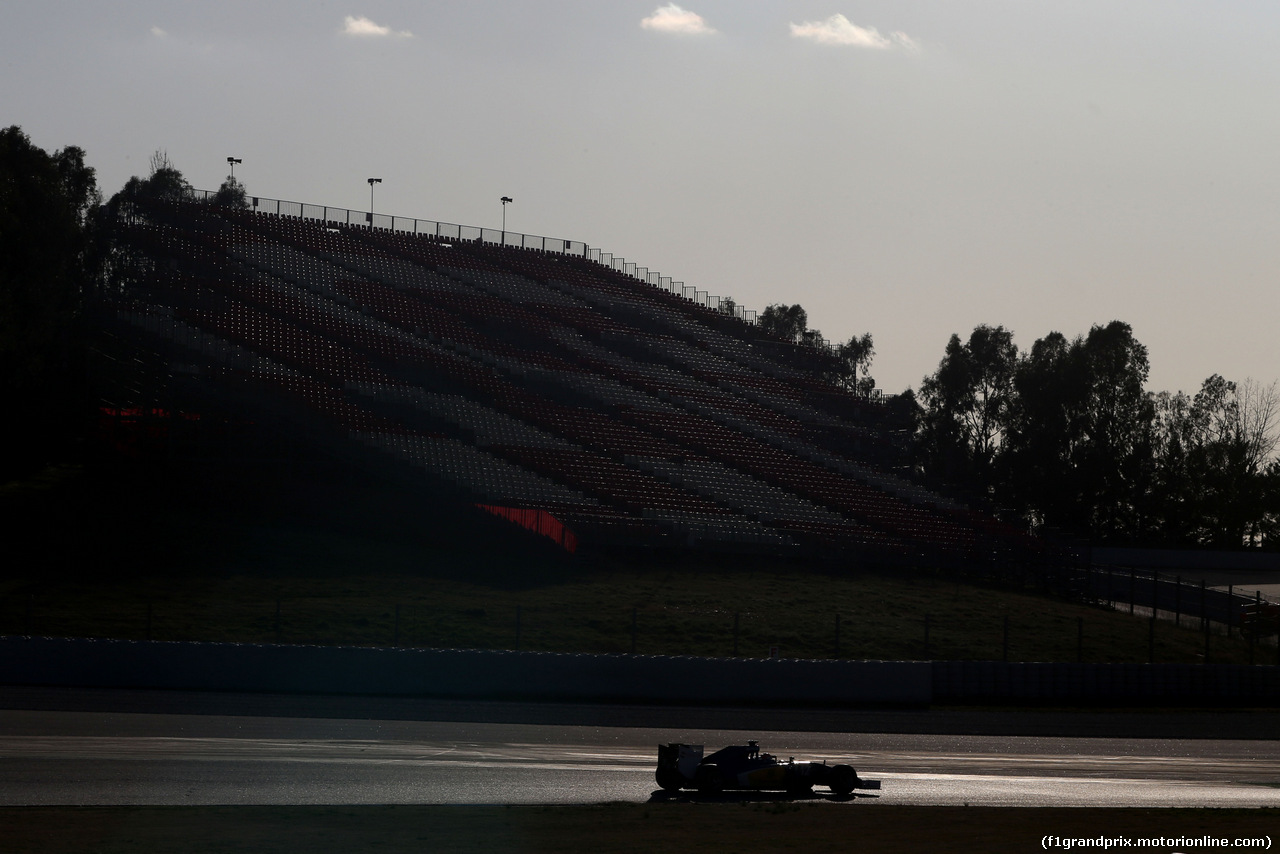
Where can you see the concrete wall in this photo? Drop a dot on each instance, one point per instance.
(1186, 559)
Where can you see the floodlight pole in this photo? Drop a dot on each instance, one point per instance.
(505, 201)
(372, 181)
(232, 161)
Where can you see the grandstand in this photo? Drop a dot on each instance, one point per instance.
(534, 384)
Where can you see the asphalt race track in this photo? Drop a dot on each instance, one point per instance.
(117, 758)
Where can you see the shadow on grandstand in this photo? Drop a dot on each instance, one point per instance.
(301, 518)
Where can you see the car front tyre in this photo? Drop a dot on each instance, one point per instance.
(843, 779)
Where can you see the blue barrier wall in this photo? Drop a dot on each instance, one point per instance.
(1172, 684)
(457, 673)
(616, 678)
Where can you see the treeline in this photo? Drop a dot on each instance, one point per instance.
(1066, 435)
(57, 248)
(847, 365)
(49, 252)
(165, 182)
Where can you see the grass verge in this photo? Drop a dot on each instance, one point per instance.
(607, 829)
(691, 609)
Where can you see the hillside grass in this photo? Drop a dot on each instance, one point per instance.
(320, 559)
(690, 609)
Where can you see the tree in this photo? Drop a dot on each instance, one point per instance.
(855, 357)
(788, 322)
(813, 338)
(1114, 418)
(231, 194)
(1259, 421)
(1068, 436)
(1267, 529)
(1216, 460)
(967, 402)
(1173, 443)
(164, 183)
(1037, 460)
(1080, 446)
(47, 263)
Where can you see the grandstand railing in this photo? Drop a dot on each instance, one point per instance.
(413, 225)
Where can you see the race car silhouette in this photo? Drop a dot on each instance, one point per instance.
(682, 766)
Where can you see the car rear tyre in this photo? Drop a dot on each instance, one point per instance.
(670, 779)
(709, 780)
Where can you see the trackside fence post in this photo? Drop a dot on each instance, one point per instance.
(1177, 601)
(1258, 621)
(1207, 633)
(1253, 626)
(1231, 608)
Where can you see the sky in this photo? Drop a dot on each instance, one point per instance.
(908, 168)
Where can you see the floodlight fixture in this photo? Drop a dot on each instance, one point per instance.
(232, 161)
(372, 181)
(506, 200)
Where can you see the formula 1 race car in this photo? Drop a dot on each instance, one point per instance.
(682, 766)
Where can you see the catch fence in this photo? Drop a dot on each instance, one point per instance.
(1152, 593)
(481, 234)
(959, 635)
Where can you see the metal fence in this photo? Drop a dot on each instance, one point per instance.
(1033, 635)
(1154, 593)
(475, 233)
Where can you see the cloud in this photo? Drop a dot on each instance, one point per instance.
(672, 19)
(364, 28)
(839, 30)
(905, 41)
(158, 33)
